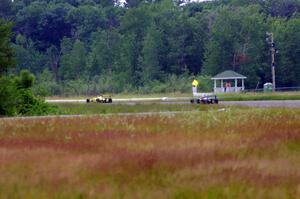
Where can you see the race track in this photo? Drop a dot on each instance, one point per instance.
(186, 100)
(264, 104)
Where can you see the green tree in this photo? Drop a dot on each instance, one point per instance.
(286, 34)
(170, 23)
(105, 52)
(28, 57)
(45, 23)
(7, 96)
(133, 3)
(86, 19)
(25, 103)
(6, 9)
(281, 8)
(73, 64)
(133, 25)
(237, 43)
(151, 69)
(130, 70)
(54, 54)
(6, 53)
(196, 31)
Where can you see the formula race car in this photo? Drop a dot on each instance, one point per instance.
(205, 98)
(100, 99)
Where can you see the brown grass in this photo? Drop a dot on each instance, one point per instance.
(248, 153)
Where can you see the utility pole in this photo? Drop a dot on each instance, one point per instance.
(273, 52)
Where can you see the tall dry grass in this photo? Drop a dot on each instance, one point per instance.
(238, 153)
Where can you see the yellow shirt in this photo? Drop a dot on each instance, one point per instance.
(195, 83)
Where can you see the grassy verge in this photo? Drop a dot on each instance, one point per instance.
(260, 96)
(97, 108)
(248, 153)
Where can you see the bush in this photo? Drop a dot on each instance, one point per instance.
(115, 83)
(28, 104)
(25, 80)
(46, 85)
(173, 83)
(7, 97)
(17, 98)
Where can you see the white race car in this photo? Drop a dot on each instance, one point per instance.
(100, 99)
(205, 98)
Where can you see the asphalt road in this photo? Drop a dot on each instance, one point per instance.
(274, 103)
(185, 100)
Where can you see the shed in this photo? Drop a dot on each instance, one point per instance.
(227, 76)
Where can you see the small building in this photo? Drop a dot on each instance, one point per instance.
(228, 76)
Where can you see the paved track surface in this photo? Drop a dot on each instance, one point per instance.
(186, 100)
(265, 104)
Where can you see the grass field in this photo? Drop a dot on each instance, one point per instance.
(98, 108)
(260, 96)
(238, 153)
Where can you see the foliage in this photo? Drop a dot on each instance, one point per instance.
(73, 61)
(237, 43)
(25, 101)
(28, 104)
(28, 56)
(289, 51)
(138, 46)
(16, 97)
(111, 84)
(6, 53)
(7, 97)
(6, 9)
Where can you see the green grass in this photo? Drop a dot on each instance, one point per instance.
(260, 96)
(237, 153)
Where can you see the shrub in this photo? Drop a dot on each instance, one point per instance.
(28, 104)
(7, 97)
(17, 98)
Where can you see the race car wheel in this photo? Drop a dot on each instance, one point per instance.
(87, 100)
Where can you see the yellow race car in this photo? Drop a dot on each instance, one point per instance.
(100, 99)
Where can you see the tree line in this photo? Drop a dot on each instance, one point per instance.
(77, 47)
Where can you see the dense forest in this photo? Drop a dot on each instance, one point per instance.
(84, 47)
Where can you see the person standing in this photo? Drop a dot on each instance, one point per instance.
(227, 86)
(194, 86)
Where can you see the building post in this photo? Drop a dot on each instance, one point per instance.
(235, 85)
(243, 86)
(215, 85)
(222, 87)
